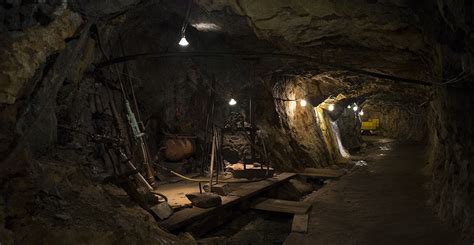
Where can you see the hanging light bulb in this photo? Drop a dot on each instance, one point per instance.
(355, 108)
(349, 107)
(361, 112)
(331, 107)
(183, 42)
(303, 102)
(232, 101)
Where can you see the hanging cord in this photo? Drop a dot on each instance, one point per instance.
(186, 17)
(460, 77)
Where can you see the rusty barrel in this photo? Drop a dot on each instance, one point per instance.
(178, 149)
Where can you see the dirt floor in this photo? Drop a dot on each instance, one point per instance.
(384, 202)
(255, 227)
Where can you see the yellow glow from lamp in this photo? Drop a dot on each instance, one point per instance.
(303, 102)
(331, 107)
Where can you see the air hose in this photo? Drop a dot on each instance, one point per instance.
(160, 194)
(207, 180)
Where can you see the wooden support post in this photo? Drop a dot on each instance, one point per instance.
(220, 150)
(265, 153)
(211, 167)
(218, 156)
(209, 121)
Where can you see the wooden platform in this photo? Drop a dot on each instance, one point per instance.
(239, 193)
(282, 206)
(322, 173)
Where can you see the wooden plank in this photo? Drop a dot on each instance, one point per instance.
(189, 215)
(322, 173)
(300, 223)
(282, 206)
(242, 192)
(251, 189)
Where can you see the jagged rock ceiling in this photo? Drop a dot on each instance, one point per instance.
(377, 35)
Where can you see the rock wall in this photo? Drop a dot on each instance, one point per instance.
(451, 154)
(349, 126)
(301, 124)
(450, 119)
(51, 188)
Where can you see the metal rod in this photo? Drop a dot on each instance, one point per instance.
(218, 158)
(211, 167)
(134, 98)
(220, 150)
(209, 118)
(138, 175)
(266, 155)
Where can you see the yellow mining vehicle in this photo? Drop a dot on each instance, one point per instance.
(370, 126)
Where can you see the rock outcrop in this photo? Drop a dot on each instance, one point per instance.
(23, 53)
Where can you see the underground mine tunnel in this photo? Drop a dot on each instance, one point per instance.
(236, 122)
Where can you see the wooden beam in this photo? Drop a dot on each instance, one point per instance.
(300, 223)
(282, 206)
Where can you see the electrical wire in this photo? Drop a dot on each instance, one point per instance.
(186, 17)
(308, 59)
(456, 80)
(222, 96)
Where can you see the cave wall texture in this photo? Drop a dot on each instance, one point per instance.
(302, 124)
(48, 79)
(50, 191)
(450, 120)
(451, 154)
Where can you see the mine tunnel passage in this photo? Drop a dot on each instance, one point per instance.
(236, 122)
(384, 203)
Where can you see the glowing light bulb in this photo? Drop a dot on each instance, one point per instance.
(361, 112)
(355, 108)
(349, 107)
(303, 102)
(183, 42)
(331, 107)
(232, 102)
